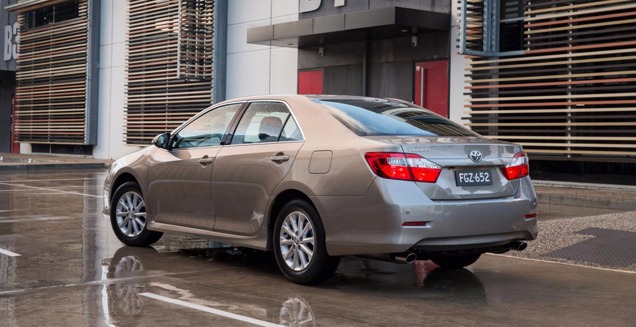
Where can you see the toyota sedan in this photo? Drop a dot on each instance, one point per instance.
(314, 178)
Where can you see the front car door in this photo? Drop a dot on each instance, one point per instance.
(179, 179)
(247, 170)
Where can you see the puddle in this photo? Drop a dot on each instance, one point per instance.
(549, 211)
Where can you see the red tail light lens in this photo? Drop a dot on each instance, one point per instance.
(410, 167)
(519, 167)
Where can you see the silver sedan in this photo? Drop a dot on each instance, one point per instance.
(314, 178)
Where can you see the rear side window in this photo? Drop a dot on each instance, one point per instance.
(265, 122)
(376, 117)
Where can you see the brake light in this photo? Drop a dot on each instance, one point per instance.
(519, 167)
(395, 165)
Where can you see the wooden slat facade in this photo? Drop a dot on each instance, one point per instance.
(572, 94)
(51, 81)
(169, 65)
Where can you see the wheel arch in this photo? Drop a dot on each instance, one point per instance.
(278, 203)
(123, 178)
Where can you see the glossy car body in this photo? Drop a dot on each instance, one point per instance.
(230, 186)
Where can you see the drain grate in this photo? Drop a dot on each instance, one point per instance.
(608, 247)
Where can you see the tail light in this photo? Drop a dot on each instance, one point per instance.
(519, 167)
(409, 167)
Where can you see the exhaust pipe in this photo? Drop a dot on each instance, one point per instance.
(406, 257)
(518, 246)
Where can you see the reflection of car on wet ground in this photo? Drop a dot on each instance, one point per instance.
(316, 178)
(129, 267)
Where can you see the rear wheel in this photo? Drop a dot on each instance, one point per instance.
(128, 217)
(299, 245)
(457, 261)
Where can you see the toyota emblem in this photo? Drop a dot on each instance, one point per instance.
(475, 156)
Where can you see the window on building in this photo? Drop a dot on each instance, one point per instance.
(492, 27)
(51, 14)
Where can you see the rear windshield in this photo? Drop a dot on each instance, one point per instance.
(375, 117)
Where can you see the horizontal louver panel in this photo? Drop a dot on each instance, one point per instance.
(573, 93)
(51, 81)
(169, 65)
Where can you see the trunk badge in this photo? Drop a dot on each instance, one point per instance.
(475, 156)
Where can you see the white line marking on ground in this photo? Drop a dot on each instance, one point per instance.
(50, 190)
(209, 310)
(83, 179)
(564, 263)
(9, 253)
(4, 220)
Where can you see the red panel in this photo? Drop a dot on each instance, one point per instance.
(310, 81)
(431, 83)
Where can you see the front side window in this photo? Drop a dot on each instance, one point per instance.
(266, 122)
(207, 130)
(377, 117)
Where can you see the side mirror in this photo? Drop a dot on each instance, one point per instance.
(162, 141)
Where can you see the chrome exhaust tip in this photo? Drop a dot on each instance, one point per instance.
(407, 258)
(518, 246)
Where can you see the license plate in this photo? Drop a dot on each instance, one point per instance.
(473, 177)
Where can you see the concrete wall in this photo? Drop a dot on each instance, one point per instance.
(257, 69)
(110, 139)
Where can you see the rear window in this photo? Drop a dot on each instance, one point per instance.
(376, 117)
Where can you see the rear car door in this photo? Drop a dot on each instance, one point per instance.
(260, 154)
(179, 179)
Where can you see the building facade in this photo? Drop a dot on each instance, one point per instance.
(557, 77)
(554, 76)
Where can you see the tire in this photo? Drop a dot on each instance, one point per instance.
(456, 261)
(300, 251)
(128, 216)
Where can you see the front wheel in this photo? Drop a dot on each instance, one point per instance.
(128, 217)
(457, 261)
(299, 245)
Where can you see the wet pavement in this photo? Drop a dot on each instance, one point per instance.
(61, 265)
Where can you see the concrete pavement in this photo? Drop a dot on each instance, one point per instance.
(587, 224)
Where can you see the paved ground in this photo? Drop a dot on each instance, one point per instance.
(72, 271)
(588, 224)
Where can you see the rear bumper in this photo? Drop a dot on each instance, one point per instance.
(373, 223)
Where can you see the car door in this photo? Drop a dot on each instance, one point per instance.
(247, 170)
(179, 177)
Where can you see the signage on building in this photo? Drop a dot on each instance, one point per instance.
(313, 5)
(8, 36)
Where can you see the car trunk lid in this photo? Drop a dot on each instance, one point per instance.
(471, 166)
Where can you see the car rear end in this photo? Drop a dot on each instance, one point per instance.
(445, 190)
(451, 202)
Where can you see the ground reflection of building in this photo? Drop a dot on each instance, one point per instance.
(7, 263)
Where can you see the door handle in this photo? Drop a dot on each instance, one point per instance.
(205, 160)
(280, 158)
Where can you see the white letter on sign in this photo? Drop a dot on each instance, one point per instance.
(16, 40)
(308, 5)
(8, 44)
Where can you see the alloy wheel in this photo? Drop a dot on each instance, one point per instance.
(131, 214)
(297, 241)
